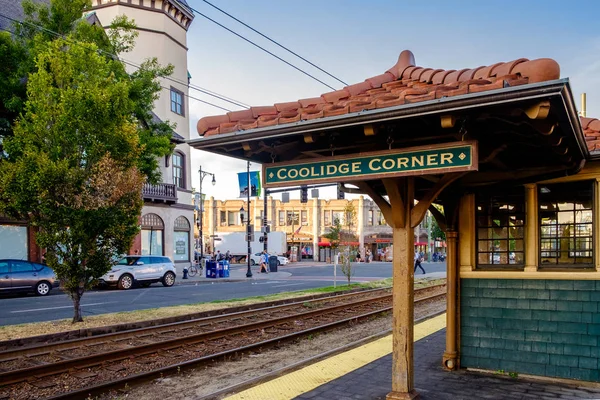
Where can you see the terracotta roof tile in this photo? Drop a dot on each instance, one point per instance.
(404, 83)
(591, 131)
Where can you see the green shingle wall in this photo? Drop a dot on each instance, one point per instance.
(539, 327)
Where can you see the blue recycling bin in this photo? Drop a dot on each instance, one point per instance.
(211, 269)
(223, 269)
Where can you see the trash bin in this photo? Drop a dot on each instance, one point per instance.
(272, 263)
(211, 269)
(223, 269)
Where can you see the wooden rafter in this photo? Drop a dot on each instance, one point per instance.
(418, 211)
(439, 217)
(393, 188)
(382, 203)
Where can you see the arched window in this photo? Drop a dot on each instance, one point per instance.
(153, 229)
(181, 247)
(179, 170)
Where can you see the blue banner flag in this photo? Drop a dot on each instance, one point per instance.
(254, 184)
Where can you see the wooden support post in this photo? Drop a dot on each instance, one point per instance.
(449, 359)
(531, 226)
(401, 195)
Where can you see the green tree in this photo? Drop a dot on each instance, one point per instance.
(77, 156)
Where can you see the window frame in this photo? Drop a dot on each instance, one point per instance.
(174, 102)
(557, 237)
(507, 197)
(179, 167)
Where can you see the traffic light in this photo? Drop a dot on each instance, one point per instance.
(340, 192)
(303, 194)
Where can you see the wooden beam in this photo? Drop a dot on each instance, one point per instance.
(383, 204)
(418, 211)
(539, 110)
(395, 194)
(493, 154)
(448, 121)
(370, 130)
(491, 177)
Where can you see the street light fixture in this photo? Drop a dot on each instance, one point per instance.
(203, 174)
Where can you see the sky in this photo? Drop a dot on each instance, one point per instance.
(357, 39)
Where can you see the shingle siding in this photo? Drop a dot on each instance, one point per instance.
(541, 327)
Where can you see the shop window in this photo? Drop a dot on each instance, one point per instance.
(223, 218)
(233, 218)
(178, 170)
(566, 224)
(181, 238)
(370, 220)
(500, 228)
(337, 217)
(281, 218)
(304, 217)
(152, 235)
(13, 242)
(326, 220)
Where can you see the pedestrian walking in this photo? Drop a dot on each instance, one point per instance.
(418, 260)
(264, 262)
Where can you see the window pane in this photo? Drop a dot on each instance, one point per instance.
(566, 223)
(21, 266)
(181, 250)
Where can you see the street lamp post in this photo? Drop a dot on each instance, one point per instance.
(203, 174)
(249, 272)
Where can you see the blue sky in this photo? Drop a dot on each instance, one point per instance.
(355, 40)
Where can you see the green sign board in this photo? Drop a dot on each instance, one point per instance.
(423, 160)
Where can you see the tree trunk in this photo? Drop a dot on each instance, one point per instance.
(76, 296)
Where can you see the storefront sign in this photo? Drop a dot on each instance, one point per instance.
(454, 157)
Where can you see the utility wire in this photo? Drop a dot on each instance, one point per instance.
(137, 66)
(262, 48)
(275, 42)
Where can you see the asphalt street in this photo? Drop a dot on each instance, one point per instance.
(18, 309)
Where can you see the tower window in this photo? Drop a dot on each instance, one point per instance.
(177, 101)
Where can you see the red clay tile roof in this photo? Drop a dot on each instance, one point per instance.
(401, 84)
(591, 131)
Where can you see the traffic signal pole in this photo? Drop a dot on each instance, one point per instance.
(265, 224)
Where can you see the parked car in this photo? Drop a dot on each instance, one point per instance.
(25, 276)
(144, 270)
(255, 259)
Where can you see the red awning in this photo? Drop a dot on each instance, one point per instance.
(324, 244)
(420, 243)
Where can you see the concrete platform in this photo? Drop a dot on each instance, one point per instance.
(365, 373)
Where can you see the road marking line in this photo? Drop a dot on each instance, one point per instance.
(310, 377)
(56, 308)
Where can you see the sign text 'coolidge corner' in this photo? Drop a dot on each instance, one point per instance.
(364, 166)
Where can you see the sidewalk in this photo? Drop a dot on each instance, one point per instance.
(237, 273)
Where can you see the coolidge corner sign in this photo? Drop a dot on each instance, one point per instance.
(453, 157)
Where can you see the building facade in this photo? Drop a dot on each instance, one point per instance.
(305, 224)
(167, 216)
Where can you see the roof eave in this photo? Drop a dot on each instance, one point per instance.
(559, 87)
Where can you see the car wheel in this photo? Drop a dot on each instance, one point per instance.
(252, 262)
(42, 288)
(168, 279)
(146, 284)
(125, 282)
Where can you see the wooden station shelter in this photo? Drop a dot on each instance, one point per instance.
(503, 150)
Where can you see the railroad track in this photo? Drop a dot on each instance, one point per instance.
(77, 368)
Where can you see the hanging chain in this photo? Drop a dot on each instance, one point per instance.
(390, 141)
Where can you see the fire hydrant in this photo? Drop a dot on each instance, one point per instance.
(185, 273)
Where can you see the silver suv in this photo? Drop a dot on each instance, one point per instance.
(144, 270)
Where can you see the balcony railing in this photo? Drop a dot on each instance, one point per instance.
(166, 192)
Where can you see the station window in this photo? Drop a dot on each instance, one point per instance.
(566, 224)
(500, 228)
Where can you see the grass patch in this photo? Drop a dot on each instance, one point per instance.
(42, 328)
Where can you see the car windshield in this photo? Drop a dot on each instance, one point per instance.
(128, 261)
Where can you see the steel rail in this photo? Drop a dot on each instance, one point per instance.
(169, 327)
(19, 375)
(228, 354)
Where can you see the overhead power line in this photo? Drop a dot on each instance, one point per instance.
(275, 42)
(262, 48)
(137, 66)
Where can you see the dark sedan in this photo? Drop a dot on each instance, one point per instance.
(25, 276)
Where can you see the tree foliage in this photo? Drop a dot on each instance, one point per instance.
(341, 237)
(83, 141)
